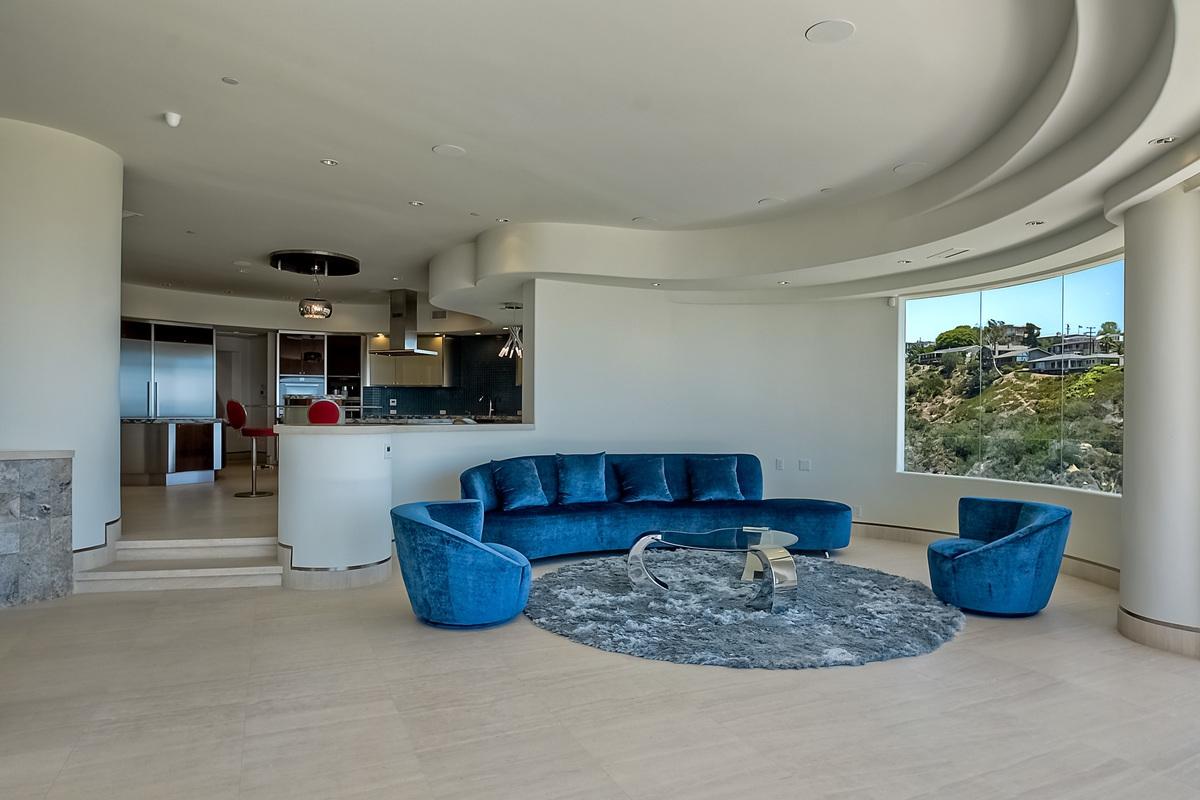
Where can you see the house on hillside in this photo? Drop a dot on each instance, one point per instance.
(1077, 345)
(1073, 362)
(935, 356)
(1007, 356)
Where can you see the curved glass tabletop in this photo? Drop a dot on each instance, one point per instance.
(741, 539)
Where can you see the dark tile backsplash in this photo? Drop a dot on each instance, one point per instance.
(480, 372)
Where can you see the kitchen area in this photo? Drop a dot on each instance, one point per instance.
(177, 379)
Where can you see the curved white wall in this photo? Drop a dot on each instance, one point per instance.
(60, 273)
(629, 370)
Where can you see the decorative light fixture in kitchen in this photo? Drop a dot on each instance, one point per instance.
(316, 307)
(513, 346)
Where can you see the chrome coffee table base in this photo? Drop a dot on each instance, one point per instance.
(768, 563)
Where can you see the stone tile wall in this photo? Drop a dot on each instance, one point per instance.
(35, 530)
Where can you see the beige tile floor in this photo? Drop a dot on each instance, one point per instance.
(269, 693)
(202, 510)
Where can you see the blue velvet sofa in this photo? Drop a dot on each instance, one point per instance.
(1006, 558)
(452, 578)
(558, 529)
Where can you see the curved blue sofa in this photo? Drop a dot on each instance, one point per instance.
(1006, 558)
(452, 578)
(557, 529)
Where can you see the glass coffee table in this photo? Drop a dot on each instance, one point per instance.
(767, 558)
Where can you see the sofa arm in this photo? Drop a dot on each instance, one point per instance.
(987, 519)
(464, 516)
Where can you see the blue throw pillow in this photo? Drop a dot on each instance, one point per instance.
(518, 483)
(714, 478)
(581, 478)
(643, 479)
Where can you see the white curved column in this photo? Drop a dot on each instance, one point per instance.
(335, 495)
(1160, 559)
(60, 330)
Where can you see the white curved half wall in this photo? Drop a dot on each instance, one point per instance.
(60, 269)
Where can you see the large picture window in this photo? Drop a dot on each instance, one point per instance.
(1022, 383)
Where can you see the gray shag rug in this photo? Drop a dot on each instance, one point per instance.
(839, 615)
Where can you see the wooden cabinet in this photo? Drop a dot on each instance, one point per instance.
(413, 370)
(383, 370)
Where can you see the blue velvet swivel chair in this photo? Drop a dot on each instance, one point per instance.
(1006, 558)
(453, 579)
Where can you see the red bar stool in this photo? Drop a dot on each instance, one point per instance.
(236, 412)
(324, 412)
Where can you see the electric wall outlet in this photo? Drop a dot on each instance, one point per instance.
(391, 401)
(387, 452)
(806, 465)
(391, 412)
(779, 463)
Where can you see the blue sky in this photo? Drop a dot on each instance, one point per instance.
(1080, 299)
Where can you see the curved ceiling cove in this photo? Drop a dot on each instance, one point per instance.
(1028, 199)
(745, 153)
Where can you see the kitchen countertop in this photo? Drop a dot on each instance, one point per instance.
(412, 427)
(170, 420)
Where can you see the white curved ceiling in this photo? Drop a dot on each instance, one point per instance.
(578, 116)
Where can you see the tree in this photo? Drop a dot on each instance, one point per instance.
(993, 333)
(1108, 328)
(1032, 332)
(960, 336)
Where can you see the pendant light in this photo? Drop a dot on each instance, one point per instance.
(316, 307)
(513, 347)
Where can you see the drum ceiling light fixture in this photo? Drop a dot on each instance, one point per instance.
(317, 264)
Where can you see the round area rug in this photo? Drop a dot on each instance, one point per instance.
(839, 615)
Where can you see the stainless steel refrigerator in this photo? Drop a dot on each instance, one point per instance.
(167, 371)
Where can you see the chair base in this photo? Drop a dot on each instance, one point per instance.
(481, 626)
(253, 494)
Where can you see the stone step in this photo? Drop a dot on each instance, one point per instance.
(179, 549)
(187, 573)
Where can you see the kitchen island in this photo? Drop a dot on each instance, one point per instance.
(338, 483)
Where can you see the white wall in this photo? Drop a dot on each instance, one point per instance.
(172, 305)
(626, 370)
(60, 275)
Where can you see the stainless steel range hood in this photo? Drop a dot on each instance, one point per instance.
(402, 336)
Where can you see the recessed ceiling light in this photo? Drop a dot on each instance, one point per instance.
(449, 150)
(190, 232)
(416, 203)
(1035, 222)
(910, 167)
(825, 189)
(784, 283)
(904, 261)
(769, 201)
(1163, 140)
(644, 220)
(330, 162)
(473, 213)
(243, 270)
(502, 220)
(479, 333)
(504, 328)
(656, 284)
(830, 31)
(395, 277)
(241, 262)
(439, 333)
(230, 81)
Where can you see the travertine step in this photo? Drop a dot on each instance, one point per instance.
(177, 549)
(186, 573)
